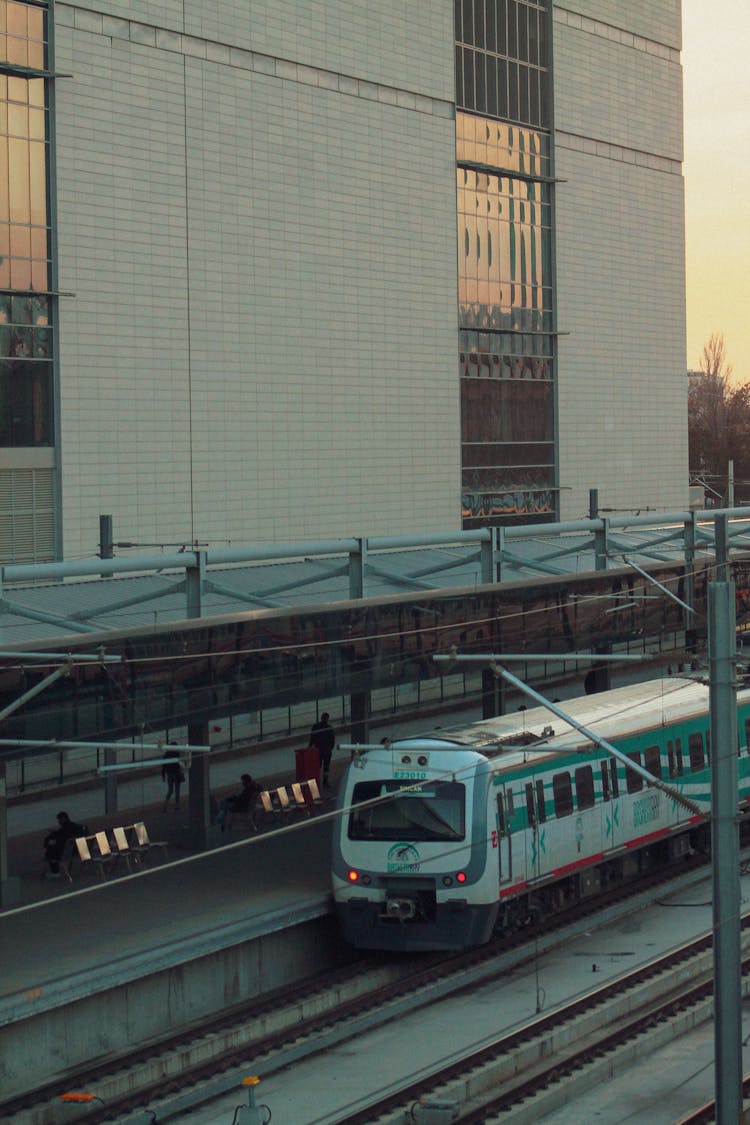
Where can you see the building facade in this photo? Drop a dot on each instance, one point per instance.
(285, 271)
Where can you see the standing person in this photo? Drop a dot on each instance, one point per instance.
(323, 736)
(55, 841)
(173, 774)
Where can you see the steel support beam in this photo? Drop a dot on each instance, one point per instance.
(725, 859)
(357, 569)
(9, 886)
(199, 794)
(195, 577)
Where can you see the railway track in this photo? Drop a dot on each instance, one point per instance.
(706, 1114)
(529, 1074)
(195, 1067)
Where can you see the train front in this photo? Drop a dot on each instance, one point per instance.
(412, 866)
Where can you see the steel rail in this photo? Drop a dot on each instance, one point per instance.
(166, 1074)
(436, 1087)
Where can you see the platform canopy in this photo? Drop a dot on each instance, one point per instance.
(46, 601)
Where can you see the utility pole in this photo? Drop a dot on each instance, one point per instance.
(730, 485)
(722, 654)
(724, 816)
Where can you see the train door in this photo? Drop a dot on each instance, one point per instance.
(536, 836)
(504, 812)
(612, 832)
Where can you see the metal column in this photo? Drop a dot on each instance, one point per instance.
(110, 782)
(359, 730)
(359, 701)
(199, 796)
(725, 836)
(9, 887)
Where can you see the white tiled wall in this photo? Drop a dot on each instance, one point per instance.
(658, 21)
(262, 343)
(257, 218)
(622, 391)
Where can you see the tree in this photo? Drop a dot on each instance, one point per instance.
(714, 359)
(719, 422)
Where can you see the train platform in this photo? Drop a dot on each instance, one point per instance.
(180, 895)
(139, 800)
(95, 967)
(97, 935)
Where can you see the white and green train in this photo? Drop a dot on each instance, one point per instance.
(444, 840)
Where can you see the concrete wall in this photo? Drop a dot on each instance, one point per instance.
(257, 218)
(92, 1022)
(620, 255)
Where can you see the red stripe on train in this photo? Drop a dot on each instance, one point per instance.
(513, 889)
(641, 840)
(578, 864)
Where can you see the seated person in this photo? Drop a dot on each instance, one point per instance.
(55, 841)
(242, 802)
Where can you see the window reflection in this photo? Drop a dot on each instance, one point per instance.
(501, 59)
(22, 35)
(506, 308)
(25, 403)
(26, 335)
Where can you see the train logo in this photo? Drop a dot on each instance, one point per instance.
(403, 857)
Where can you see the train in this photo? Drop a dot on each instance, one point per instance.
(445, 840)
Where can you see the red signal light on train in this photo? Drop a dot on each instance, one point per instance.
(353, 876)
(461, 877)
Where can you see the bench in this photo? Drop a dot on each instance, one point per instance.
(123, 849)
(306, 795)
(94, 851)
(273, 805)
(140, 844)
(277, 804)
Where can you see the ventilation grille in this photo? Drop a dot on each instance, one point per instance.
(27, 524)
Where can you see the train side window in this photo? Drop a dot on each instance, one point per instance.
(605, 782)
(634, 780)
(509, 802)
(562, 790)
(613, 775)
(501, 825)
(540, 805)
(530, 808)
(695, 747)
(747, 735)
(708, 747)
(671, 759)
(652, 755)
(584, 787)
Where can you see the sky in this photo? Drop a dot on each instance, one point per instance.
(716, 67)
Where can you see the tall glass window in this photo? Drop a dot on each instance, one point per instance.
(26, 387)
(507, 341)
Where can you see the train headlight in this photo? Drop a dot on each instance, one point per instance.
(461, 877)
(447, 880)
(353, 876)
(422, 760)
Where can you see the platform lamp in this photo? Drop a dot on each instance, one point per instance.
(251, 1114)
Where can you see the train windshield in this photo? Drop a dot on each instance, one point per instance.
(433, 810)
